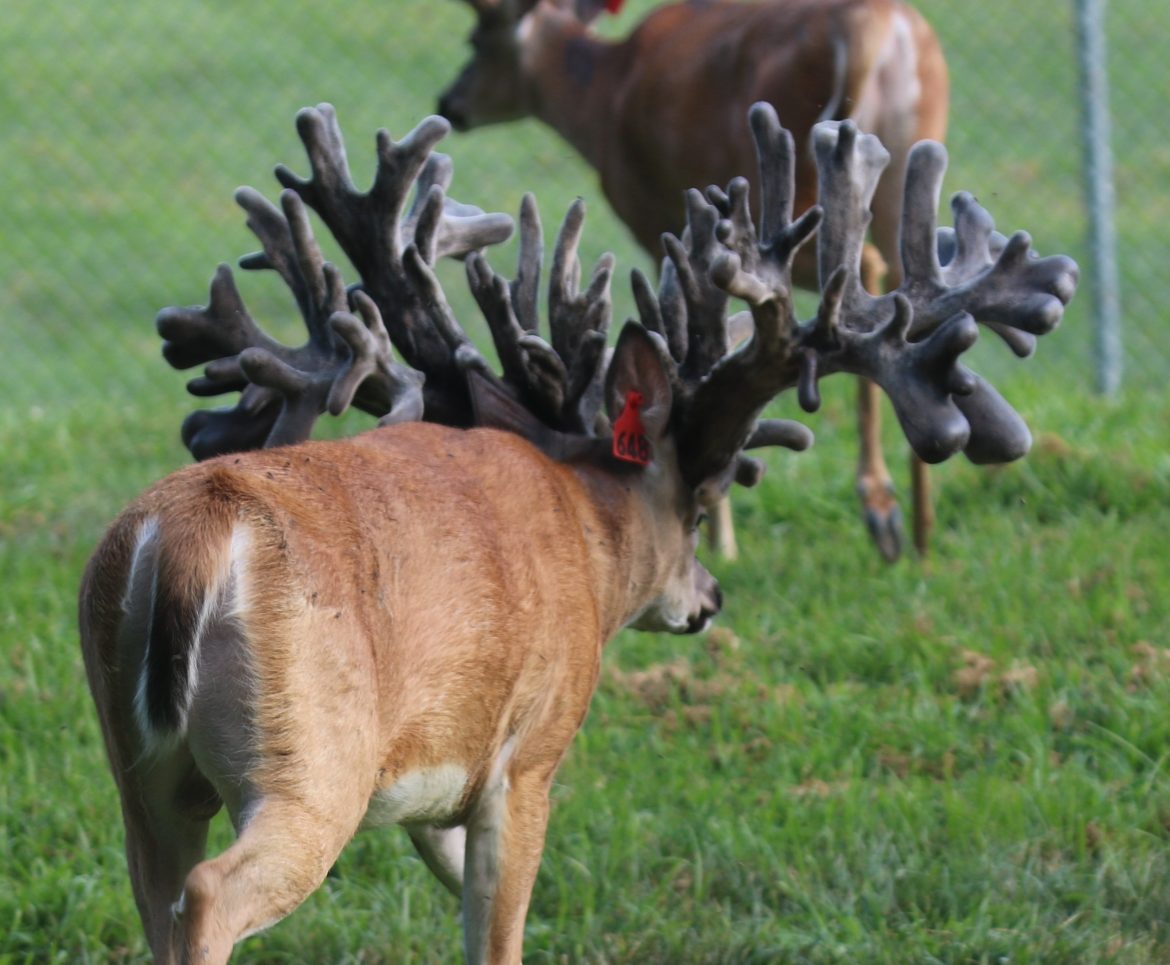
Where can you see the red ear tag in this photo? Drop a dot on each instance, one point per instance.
(629, 436)
(613, 6)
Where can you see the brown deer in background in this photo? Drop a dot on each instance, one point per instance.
(406, 627)
(662, 111)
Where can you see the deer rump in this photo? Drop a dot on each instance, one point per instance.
(324, 569)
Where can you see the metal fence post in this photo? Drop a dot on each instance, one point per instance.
(1099, 196)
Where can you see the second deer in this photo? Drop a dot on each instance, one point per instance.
(662, 111)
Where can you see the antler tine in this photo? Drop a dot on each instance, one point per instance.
(455, 229)
(525, 289)
(998, 280)
(284, 389)
(721, 412)
(579, 321)
(574, 314)
(869, 335)
(849, 165)
(650, 312)
(559, 379)
(247, 425)
(768, 253)
(1017, 289)
(358, 218)
(290, 248)
(240, 353)
(687, 268)
(909, 341)
(221, 329)
(958, 264)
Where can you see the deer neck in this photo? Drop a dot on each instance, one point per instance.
(574, 75)
(623, 538)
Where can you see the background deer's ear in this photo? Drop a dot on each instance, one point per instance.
(641, 364)
(589, 10)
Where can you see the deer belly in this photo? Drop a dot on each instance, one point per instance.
(427, 795)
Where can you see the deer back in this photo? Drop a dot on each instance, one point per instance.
(660, 111)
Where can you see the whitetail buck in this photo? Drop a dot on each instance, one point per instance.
(406, 627)
(662, 111)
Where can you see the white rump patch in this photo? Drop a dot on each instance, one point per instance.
(224, 597)
(146, 536)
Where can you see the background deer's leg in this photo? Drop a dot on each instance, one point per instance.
(923, 504)
(505, 839)
(875, 488)
(721, 530)
(443, 850)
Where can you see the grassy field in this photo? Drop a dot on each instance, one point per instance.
(958, 760)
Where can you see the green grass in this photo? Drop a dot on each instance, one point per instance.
(838, 773)
(815, 781)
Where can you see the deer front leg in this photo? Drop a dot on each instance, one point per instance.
(505, 839)
(721, 530)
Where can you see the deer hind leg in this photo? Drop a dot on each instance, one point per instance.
(167, 803)
(292, 820)
(875, 488)
(505, 839)
(281, 856)
(166, 807)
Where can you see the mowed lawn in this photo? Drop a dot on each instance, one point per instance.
(959, 759)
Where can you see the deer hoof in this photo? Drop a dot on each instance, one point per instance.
(885, 528)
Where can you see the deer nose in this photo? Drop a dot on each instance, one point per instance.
(447, 110)
(710, 606)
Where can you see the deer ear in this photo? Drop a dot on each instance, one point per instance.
(495, 408)
(641, 365)
(589, 10)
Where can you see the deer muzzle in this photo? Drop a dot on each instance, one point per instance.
(450, 110)
(710, 599)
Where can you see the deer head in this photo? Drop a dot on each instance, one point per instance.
(499, 82)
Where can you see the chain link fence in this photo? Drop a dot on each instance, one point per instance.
(124, 130)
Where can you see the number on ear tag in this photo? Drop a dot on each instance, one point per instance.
(629, 436)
